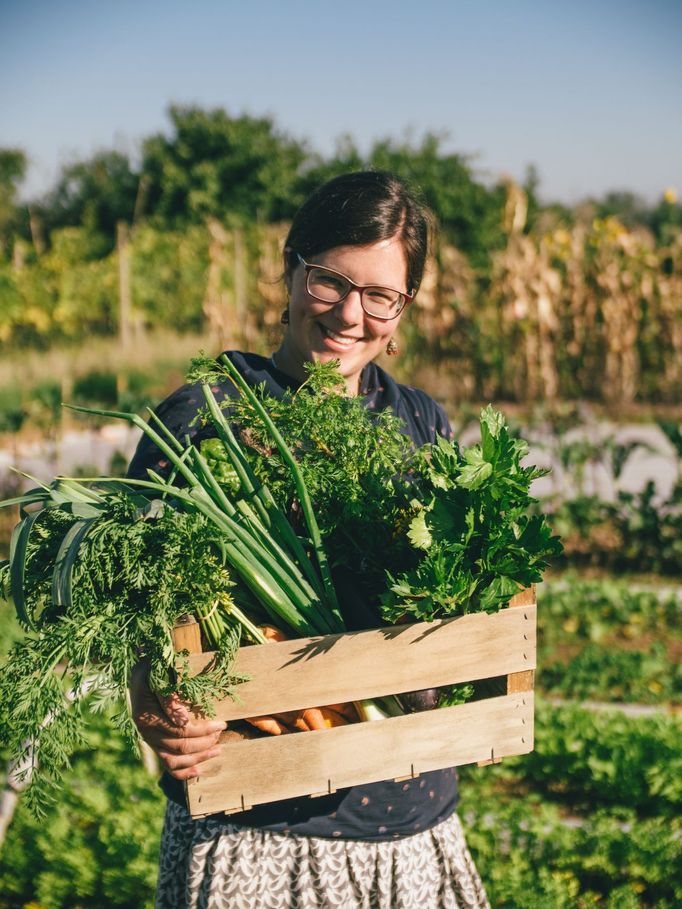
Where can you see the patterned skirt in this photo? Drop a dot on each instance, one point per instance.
(210, 865)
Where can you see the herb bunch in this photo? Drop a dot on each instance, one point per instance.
(92, 612)
(479, 544)
(434, 533)
(350, 460)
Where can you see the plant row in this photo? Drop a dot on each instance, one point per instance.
(587, 759)
(531, 855)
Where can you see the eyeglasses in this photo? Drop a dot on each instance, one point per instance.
(331, 286)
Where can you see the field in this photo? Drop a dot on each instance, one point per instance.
(567, 319)
(591, 818)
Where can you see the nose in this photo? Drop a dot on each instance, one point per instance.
(349, 311)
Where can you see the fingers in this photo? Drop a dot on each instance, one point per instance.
(185, 766)
(145, 701)
(184, 745)
(181, 745)
(175, 709)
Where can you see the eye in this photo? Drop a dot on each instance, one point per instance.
(382, 295)
(323, 279)
(326, 285)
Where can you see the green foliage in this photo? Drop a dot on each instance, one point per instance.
(44, 406)
(600, 672)
(99, 586)
(636, 532)
(96, 388)
(589, 818)
(216, 165)
(13, 165)
(531, 856)
(605, 758)
(169, 273)
(93, 194)
(481, 545)
(349, 459)
(577, 609)
(97, 846)
(606, 641)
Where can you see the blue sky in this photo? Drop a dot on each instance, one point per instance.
(589, 92)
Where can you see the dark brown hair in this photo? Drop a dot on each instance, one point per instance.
(357, 209)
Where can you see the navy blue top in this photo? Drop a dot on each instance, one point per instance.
(377, 811)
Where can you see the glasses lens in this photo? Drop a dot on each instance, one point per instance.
(331, 287)
(382, 302)
(327, 286)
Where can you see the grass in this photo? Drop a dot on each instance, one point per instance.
(163, 351)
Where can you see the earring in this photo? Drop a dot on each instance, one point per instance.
(392, 348)
(284, 318)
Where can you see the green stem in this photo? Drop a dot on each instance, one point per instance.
(299, 482)
(262, 498)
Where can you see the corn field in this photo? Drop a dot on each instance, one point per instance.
(590, 311)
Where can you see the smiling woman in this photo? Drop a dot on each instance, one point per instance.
(368, 237)
(353, 260)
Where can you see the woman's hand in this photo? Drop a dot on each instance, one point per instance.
(168, 728)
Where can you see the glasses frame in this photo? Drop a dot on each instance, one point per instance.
(361, 288)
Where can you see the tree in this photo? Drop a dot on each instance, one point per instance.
(469, 214)
(629, 208)
(13, 164)
(215, 165)
(94, 194)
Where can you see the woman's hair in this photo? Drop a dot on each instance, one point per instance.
(357, 209)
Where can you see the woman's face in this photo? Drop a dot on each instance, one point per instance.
(342, 331)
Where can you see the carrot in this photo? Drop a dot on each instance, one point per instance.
(308, 720)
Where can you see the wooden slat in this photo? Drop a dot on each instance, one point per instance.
(517, 681)
(252, 772)
(524, 680)
(316, 671)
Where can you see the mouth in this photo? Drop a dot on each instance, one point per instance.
(344, 341)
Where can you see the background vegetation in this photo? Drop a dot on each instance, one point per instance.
(125, 269)
(522, 300)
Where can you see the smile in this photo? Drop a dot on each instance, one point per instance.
(337, 339)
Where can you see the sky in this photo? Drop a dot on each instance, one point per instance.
(588, 91)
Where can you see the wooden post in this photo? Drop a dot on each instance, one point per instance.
(37, 235)
(187, 634)
(124, 301)
(124, 295)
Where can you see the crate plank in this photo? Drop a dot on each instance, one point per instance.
(524, 680)
(312, 671)
(254, 771)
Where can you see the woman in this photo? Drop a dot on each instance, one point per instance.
(353, 261)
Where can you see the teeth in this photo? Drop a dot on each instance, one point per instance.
(340, 339)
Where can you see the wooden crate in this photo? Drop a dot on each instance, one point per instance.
(308, 672)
